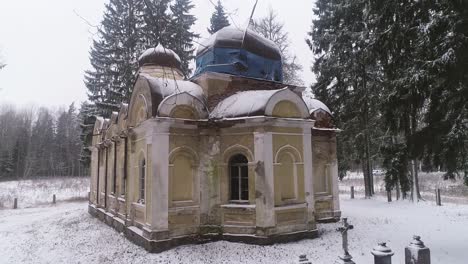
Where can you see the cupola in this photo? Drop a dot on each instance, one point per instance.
(160, 61)
(240, 52)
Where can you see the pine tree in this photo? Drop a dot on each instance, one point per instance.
(348, 80)
(86, 119)
(156, 20)
(271, 28)
(113, 56)
(219, 19)
(181, 40)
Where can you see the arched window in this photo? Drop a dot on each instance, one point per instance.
(239, 178)
(142, 180)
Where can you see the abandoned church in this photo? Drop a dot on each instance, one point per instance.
(232, 153)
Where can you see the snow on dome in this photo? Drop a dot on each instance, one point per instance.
(167, 87)
(314, 104)
(248, 103)
(160, 56)
(231, 37)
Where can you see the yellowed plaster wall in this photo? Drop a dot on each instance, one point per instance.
(183, 164)
(184, 112)
(286, 109)
(321, 158)
(288, 168)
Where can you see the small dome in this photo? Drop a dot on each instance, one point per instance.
(314, 104)
(160, 56)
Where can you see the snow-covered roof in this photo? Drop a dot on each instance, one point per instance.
(165, 87)
(160, 56)
(255, 103)
(248, 103)
(314, 104)
(232, 37)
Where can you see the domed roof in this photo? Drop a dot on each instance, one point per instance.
(231, 37)
(314, 104)
(160, 56)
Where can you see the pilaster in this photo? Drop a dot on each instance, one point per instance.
(264, 182)
(159, 206)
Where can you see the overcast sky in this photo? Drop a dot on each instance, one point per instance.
(45, 43)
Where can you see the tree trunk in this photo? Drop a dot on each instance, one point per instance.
(415, 194)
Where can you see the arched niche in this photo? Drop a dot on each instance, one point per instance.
(183, 164)
(287, 104)
(182, 105)
(288, 172)
(140, 107)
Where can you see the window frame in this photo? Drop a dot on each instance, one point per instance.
(142, 181)
(239, 166)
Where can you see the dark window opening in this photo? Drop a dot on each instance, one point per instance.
(142, 180)
(239, 178)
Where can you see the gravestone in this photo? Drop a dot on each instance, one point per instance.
(346, 258)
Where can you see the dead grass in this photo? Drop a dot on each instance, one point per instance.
(35, 192)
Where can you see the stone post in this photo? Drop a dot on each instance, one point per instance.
(352, 192)
(417, 252)
(382, 254)
(303, 259)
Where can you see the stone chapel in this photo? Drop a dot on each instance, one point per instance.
(232, 153)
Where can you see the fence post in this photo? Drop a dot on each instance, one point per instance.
(352, 192)
(15, 203)
(53, 199)
(382, 254)
(438, 200)
(417, 252)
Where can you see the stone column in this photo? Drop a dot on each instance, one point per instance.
(264, 182)
(308, 175)
(159, 188)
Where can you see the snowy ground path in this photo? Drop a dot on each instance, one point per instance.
(65, 233)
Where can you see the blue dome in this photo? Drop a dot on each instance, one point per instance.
(238, 52)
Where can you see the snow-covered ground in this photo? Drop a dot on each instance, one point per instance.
(65, 233)
(39, 191)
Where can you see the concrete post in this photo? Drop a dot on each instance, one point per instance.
(352, 192)
(303, 259)
(15, 203)
(382, 254)
(417, 252)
